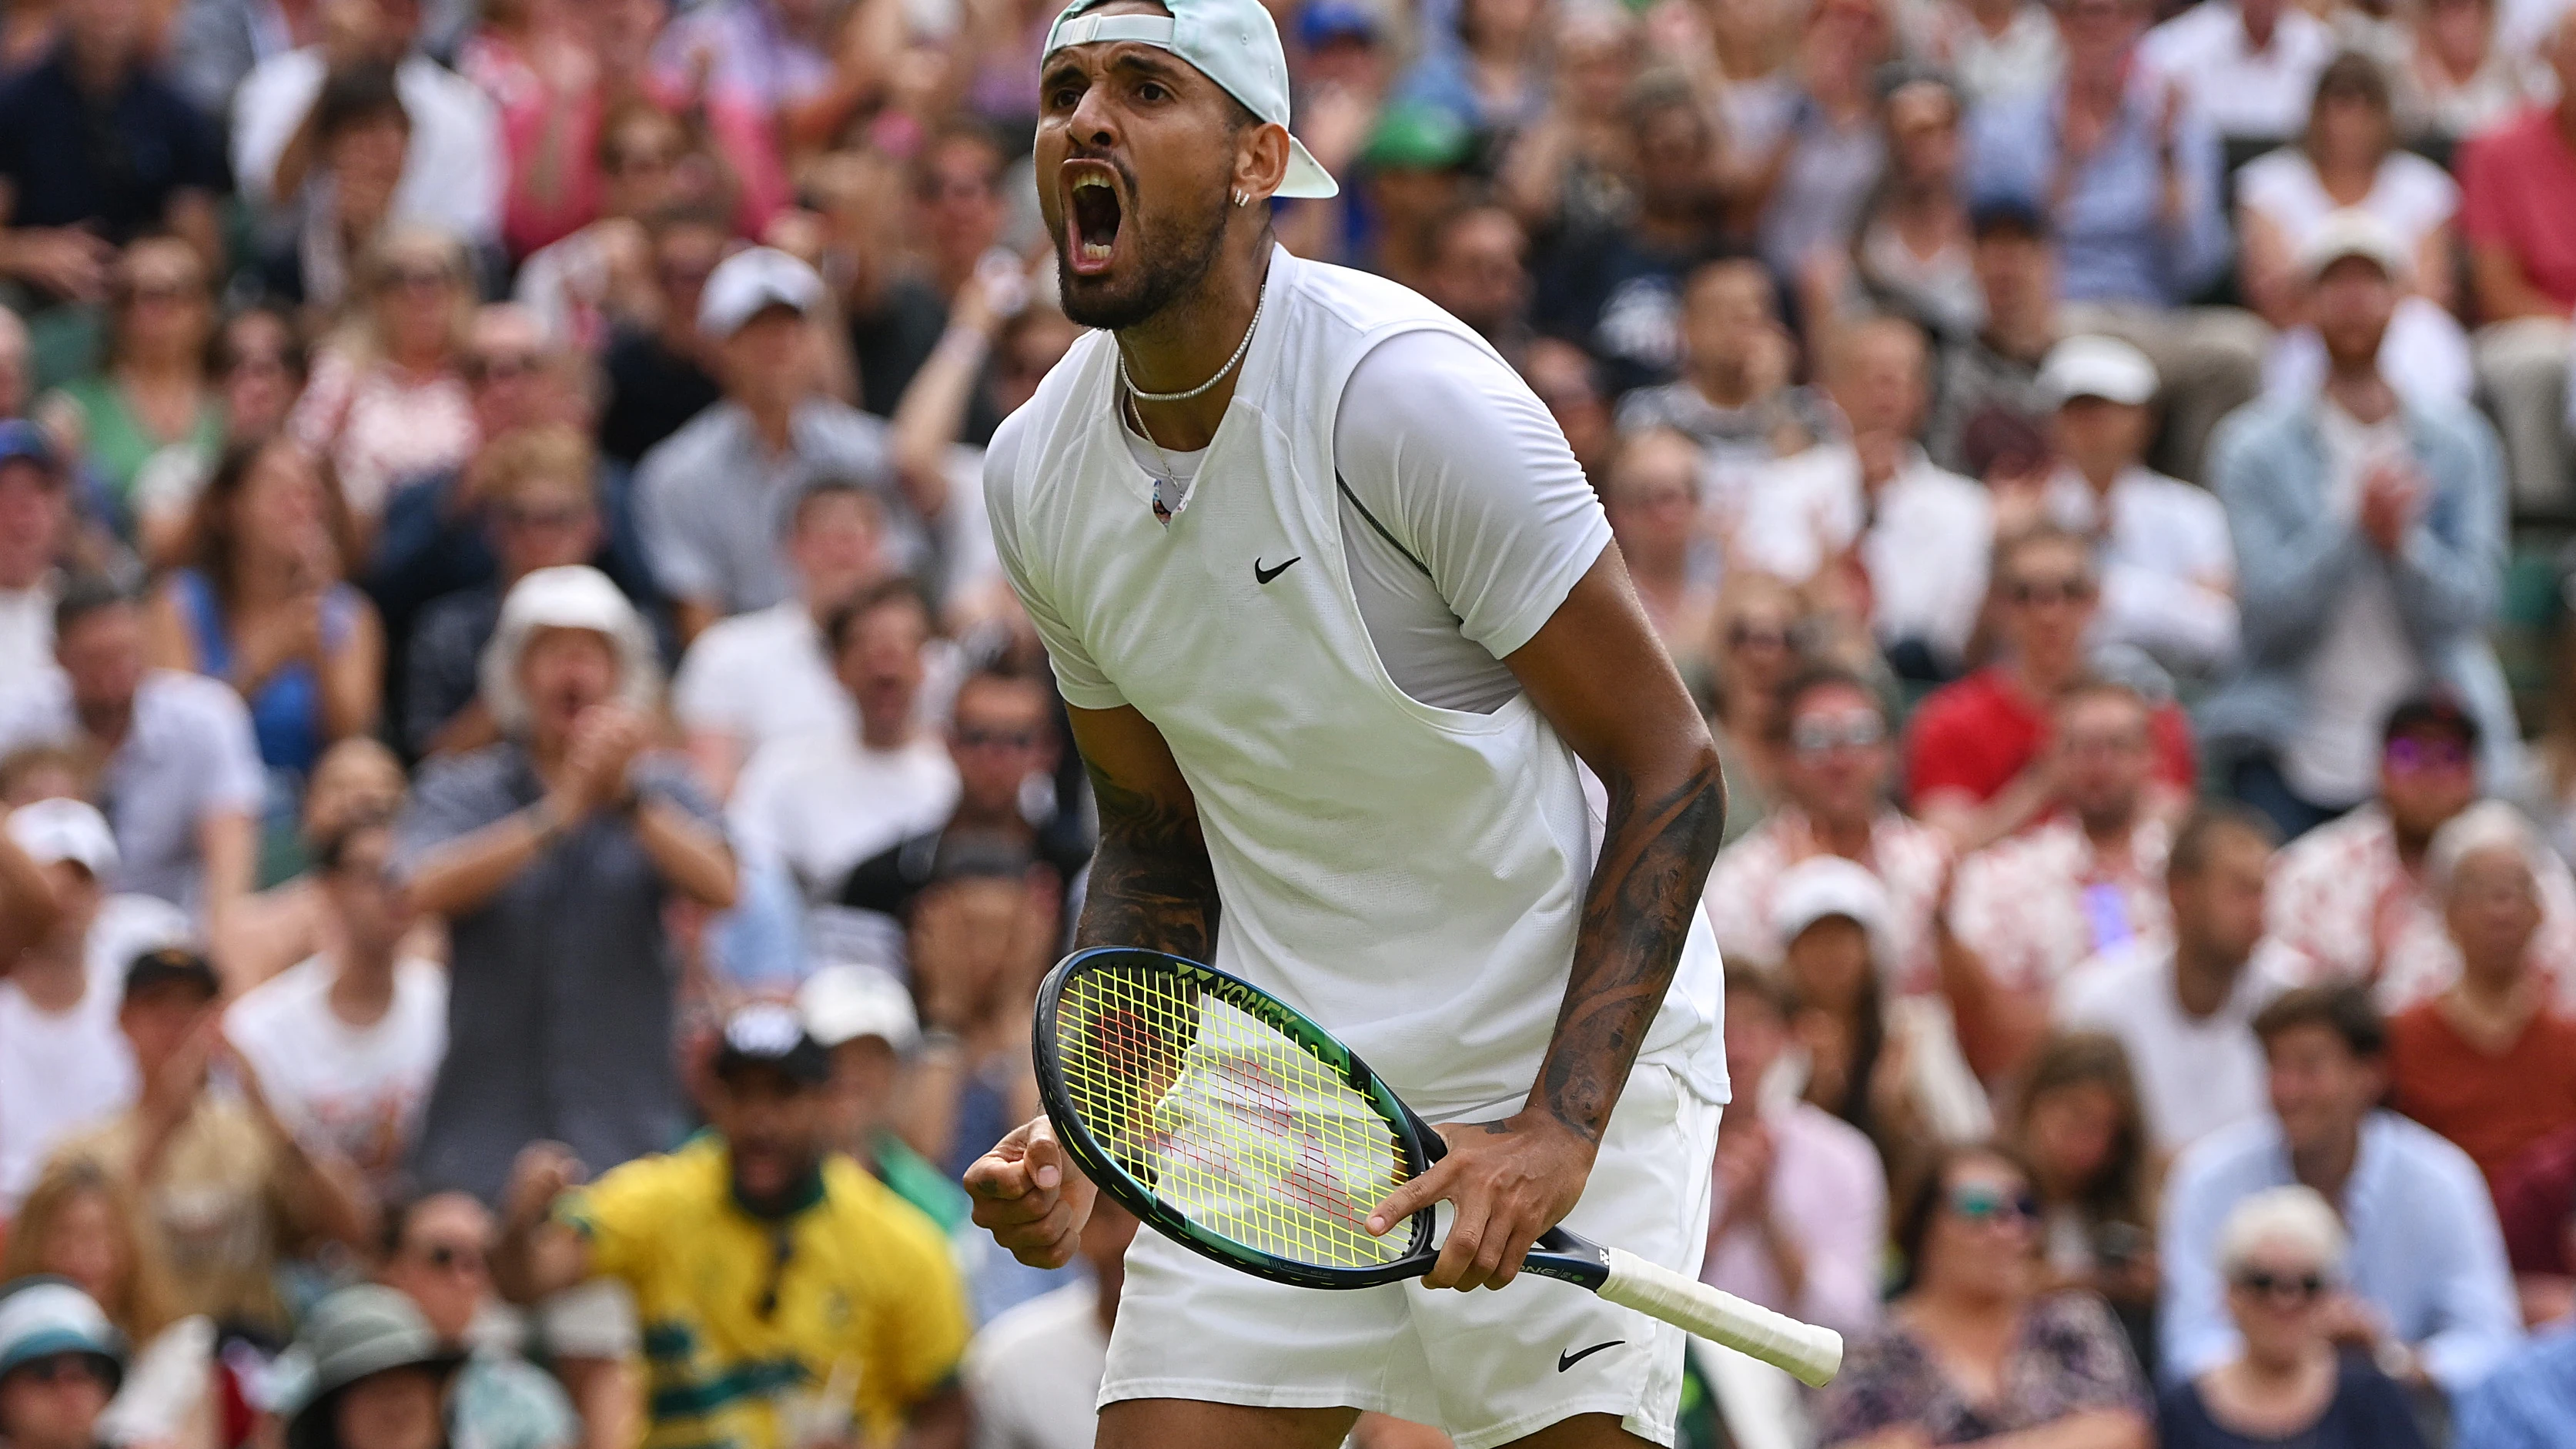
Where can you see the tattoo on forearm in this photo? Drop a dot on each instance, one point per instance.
(1151, 884)
(1637, 912)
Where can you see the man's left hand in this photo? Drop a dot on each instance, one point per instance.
(1509, 1182)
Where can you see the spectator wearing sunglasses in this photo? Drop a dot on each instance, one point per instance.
(2351, 899)
(258, 367)
(60, 1363)
(2370, 545)
(2427, 1292)
(437, 1253)
(1972, 1350)
(798, 1299)
(2281, 1251)
(2490, 1062)
(1831, 739)
(1981, 757)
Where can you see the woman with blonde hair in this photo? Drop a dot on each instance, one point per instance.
(389, 399)
(80, 1222)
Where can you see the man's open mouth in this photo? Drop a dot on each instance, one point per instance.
(1092, 215)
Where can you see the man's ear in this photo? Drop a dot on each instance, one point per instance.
(1260, 161)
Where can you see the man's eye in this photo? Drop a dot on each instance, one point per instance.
(1150, 91)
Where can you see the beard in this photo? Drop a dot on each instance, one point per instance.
(1167, 255)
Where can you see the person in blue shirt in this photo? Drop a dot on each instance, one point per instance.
(2128, 174)
(2427, 1293)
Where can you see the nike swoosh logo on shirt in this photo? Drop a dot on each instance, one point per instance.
(1262, 575)
(1566, 1361)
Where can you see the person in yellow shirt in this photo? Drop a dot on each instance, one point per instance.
(788, 1300)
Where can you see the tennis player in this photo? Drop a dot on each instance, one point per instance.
(1337, 616)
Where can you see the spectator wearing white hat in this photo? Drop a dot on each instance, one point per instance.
(714, 498)
(885, 1072)
(63, 1064)
(2369, 531)
(552, 854)
(60, 1363)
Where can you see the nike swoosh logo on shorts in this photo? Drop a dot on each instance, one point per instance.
(1262, 575)
(1566, 1361)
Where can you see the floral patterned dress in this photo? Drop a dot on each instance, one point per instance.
(2069, 1357)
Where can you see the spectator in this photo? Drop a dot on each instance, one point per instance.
(1478, 272)
(63, 1065)
(556, 1034)
(259, 372)
(2281, 1251)
(370, 1374)
(389, 400)
(539, 65)
(2490, 1062)
(2087, 881)
(153, 391)
(357, 780)
(1806, 175)
(2349, 158)
(82, 1225)
(2127, 171)
(1893, 1070)
(1413, 172)
(714, 495)
(2517, 186)
(2083, 1131)
(1903, 542)
(230, 1189)
(758, 1210)
(1972, 1313)
(2167, 571)
(2248, 67)
(438, 1254)
(887, 1081)
(263, 606)
(347, 1042)
(1912, 251)
(1569, 386)
(60, 1363)
(896, 314)
(2458, 80)
(1996, 48)
(587, 284)
(2429, 1295)
(453, 177)
(767, 676)
(1989, 413)
(361, 145)
(1754, 650)
(1981, 759)
(2526, 1402)
(1001, 739)
(17, 364)
(179, 766)
(535, 489)
(822, 803)
(2185, 1015)
(96, 149)
(2350, 897)
(1033, 1373)
(1734, 397)
(1799, 1212)
(1652, 498)
(35, 528)
(1830, 731)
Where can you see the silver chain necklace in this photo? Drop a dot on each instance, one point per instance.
(1240, 348)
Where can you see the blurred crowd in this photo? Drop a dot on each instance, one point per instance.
(532, 821)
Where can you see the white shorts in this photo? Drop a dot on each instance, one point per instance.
(1488, 1367)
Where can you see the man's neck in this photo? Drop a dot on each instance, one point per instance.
(1724, 383)
(17, 576)
(1189, 343)
(107, 723)
(2259, 30)
(773, 420)
(2109, 834)
(2040, 679)
(1002, 819)
(2101, 477)
(2328, 1166)
(2203, 979)
(54, 975)
(362, 985)
(885, 735)
(2026, 338)
(2359, 390)
(1845, 835)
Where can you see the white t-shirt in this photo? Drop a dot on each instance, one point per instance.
(63, 1072)
(2366, 663)
(454, 168)
(2412, 195)
(2168, 564)
(1033, 1374)
(761, 676)
(356, 1091)
(2242, 91)
(823, 802)
(1925, 541)
(1461, 501)
(2195, 1074)
(26, 636)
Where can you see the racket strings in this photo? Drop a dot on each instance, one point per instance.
(1227, 1119)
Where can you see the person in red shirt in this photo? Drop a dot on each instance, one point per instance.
(1977, 762)
(2518, 214)
(2487, 1063)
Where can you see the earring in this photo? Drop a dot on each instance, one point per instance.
(1240, 199)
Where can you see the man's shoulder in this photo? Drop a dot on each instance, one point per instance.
(2108, 990)
(423, 81)
(875, 1221)
(2425, 1157)
(187, 699)
(1838, 1142)
(1964, 703)
(2229, 1161)
(2334, 847)
(703, 439)
(281, 998)
(833, 425)
(1361, 301)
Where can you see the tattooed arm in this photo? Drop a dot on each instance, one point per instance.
(1598, 674)
(1151, 886)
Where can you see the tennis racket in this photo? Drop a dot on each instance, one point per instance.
(1241, 1130)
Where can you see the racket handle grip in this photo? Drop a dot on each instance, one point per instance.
(1807, 1353)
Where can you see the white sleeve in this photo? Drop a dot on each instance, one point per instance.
(1454, 456)
(267, 110)
(1077, 676)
